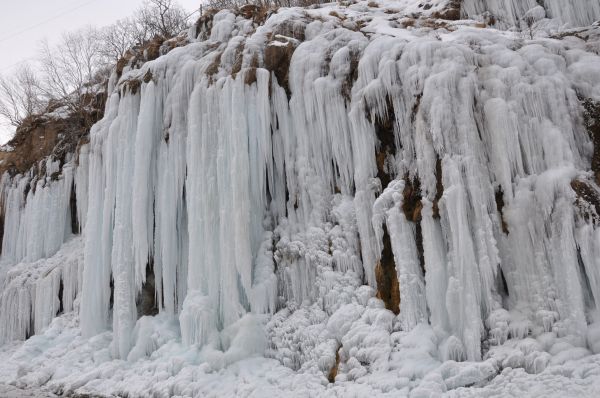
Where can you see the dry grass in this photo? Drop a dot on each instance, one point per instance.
(337, 15)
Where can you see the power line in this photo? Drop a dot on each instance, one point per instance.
(60, 9)
(10, 36)
(46, 20)
(195, 11)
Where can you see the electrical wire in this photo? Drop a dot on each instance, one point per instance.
(46, 21)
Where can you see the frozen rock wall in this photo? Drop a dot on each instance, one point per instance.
(260, 171)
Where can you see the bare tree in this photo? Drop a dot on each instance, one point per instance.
(20, 96)
(73, 72)
(120, 37)
(165, 18)
(70, 69)
(223, 4)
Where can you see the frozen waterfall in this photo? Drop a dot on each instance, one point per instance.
(265, 169)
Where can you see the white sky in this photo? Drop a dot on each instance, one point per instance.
(24, 23)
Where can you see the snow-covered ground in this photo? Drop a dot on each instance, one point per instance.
(257, 175)
(71, 366)
(63, 362)
(7, 391)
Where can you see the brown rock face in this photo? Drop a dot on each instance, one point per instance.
(34, 140)
(591, 117)
(334, 370)
(351, 77)
(500, 207)
(122, 62)
(41, 136)
(204, 24)
(248, 11)
(412, 206)
(147, 77)
(150, 50)
(278, 55)
(388, 287)
(75, 227)
(588, 196)
(451, 12)
(384, 130)
(146, 302)
(439, 188)
(588, 193)
(38, 138)
(131, 85)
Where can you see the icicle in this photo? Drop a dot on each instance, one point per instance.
(81, 185)
(220, 199)
(37, 213)
(247, 195)
(170, 254)
(47, 302)
(588, 241)
(96, 290)
(149, 128)
(463, 297)
(31, 293)
(509, 13)
(436, 277)
(387, 208)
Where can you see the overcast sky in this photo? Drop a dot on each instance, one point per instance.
(24, 23)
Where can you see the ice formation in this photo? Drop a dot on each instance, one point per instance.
(511, 13)
(260, 196)
(37, 213)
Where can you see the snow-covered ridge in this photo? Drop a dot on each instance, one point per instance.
(255, 181)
